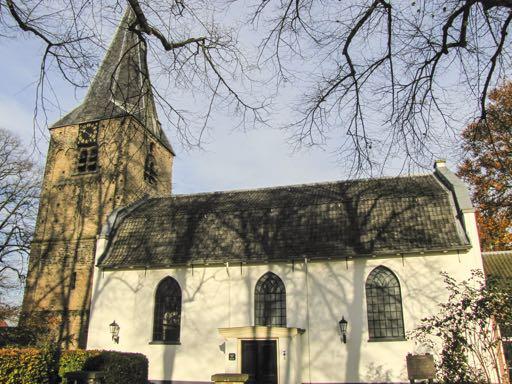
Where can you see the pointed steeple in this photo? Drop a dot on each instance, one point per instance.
(122, 86)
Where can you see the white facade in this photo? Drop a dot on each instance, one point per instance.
(218, 313)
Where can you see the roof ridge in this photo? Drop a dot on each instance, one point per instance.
(284, 187)
(507, 252)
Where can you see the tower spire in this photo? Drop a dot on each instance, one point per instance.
(121, 86)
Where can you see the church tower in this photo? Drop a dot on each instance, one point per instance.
(108, 152)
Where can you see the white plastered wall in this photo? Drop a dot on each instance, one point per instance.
(216, 297)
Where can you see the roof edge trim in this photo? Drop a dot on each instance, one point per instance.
(114, 219)
(493, 253)
(455, 185)
(416, 252)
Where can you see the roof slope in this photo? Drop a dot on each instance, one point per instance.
(498, 264)
(122, 86)
(318, 221)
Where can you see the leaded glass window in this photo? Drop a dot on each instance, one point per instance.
(167, 319)
(384, 305)
(270, 301)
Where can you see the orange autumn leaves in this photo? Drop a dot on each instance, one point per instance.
(487, 168)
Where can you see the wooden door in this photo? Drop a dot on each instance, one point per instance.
(259, 360)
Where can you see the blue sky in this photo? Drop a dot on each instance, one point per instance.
(230, 159)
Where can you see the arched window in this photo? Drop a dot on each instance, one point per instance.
(167, 319)
(384, 305)
(270, 301)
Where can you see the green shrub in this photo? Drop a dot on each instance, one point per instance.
(24, 366)
(17, 336)
(38, 366)
(71, 361)
(119, 367)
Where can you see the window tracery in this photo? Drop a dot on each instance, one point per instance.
(270, 301)
(167, 318)
(384, 305)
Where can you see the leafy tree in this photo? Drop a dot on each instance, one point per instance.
(19, 196)
(487, 168)
(463, 334)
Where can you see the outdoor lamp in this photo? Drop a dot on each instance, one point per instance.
(114, 330)
(343, 328)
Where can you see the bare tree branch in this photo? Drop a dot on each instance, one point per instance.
(192, 51)
(380, 70)
(19, 196)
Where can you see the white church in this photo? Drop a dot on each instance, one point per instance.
(257, 281)
(316, 283)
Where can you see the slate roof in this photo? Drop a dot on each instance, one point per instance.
(121, 86)
(498, 264)
(318, 221)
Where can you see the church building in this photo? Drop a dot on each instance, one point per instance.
(316, 283)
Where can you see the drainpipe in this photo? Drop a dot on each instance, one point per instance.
(307, 318)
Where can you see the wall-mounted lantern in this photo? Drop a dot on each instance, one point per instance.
(343, 329)
(114, 330)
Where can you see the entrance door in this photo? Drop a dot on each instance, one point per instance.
(259, 360)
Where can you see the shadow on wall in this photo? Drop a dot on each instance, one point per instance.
(337, 221)
(378, 373)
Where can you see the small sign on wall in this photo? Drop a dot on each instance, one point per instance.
(232, 356)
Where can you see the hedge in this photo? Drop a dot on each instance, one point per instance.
(17, 337)
(30, 365)
(25, 366)
(119, 367)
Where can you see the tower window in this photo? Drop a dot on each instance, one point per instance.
(149, 165)
(87, 143)
(72, 282)
(88, 159)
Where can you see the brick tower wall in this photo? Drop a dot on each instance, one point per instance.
(73, 207)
